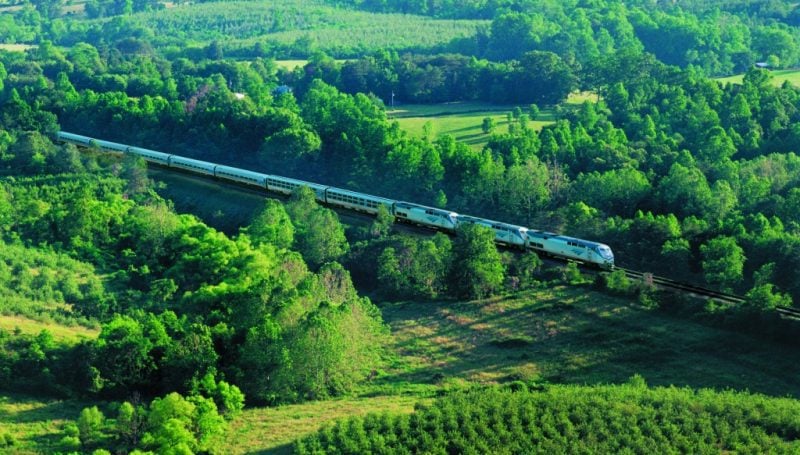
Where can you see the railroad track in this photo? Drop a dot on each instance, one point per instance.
(690, 289)
(785, 312)
(788, 312)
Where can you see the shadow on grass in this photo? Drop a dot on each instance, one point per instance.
(580, 337)
(41, 425)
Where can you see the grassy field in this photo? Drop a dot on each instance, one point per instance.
(272, 430)
(36, 425)
(61, 333)
(462, 120)
(778, 77)
(290, 64)
(16, 47)
(575, 335)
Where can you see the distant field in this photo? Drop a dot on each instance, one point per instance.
(67, 334)
(290, 64)
(240, 24)
(462, 120)
(778, 77)
(16, 47)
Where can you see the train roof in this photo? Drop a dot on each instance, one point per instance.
(183, 159)
(116, 145)
(64, 134)
(493, 223)
(313, 185)
(152, 152)
(361, 195)
(564, 238)
(239, 171)
(411, 205)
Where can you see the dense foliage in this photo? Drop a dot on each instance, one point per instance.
(664, 165)
(681, 175)
(583, 419)
(183, 300)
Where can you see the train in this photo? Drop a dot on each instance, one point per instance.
(511, 235)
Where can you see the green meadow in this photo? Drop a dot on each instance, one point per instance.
(778, 77)
(462, 120)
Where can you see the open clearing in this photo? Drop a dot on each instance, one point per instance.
(462, 120)
(35, 424)
(576, 335)
(778, 77)
(16, 47)
(290, 64)
(61, 333)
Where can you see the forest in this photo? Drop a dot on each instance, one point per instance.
(192, 322)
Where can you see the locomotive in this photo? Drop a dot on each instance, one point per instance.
(541, 242)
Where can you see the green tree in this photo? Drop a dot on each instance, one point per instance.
(177, 425)
(228, 398)
(525, 268)
(542, 78)
(272, 225)
(723, 262)
(618, 192)
(764, 297)
(189, 358)
(415, 268)
(488, 125)
(476, 270)
(90, 425)
(685, 191)
(123, 354)
(334, 348)
(130, 424)
(319, 236)
(383, 223)
(533, 111)
(134, 171)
